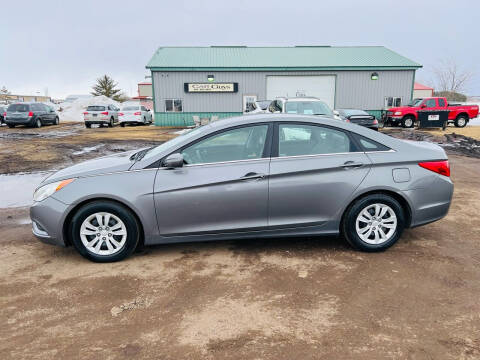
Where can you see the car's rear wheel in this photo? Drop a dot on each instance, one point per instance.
(37, 123)
(461, 121)
(104, 231)
(57, 121)
(408, 122)
(11, 126)
(122, 124)
(374, 222)
(110, 124)
(88, 126)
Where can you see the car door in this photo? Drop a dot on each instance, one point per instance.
(313, 171)
(223, 187)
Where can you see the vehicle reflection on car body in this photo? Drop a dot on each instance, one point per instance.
(247, 177)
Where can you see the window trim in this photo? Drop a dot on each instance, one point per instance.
(173, 105)
(276, 137)
(267, 148)
(385, 103)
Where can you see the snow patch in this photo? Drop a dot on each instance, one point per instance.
(73, 111)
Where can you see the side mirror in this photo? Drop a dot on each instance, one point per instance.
(335, 112)
(173, 161)
(423, 106)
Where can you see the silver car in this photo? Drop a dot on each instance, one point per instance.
(247, 177)
(101, 114)
(135, 114)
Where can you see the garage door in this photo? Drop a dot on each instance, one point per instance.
(322, 87)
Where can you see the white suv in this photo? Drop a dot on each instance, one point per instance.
(101, 114)
(301, 105)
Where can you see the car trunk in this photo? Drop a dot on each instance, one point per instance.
(130, 115)
(96, 113)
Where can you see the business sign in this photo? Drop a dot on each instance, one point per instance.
(433, 117)
(211, 87)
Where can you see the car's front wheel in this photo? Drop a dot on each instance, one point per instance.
(408, 122)
(104, 231)
(374, 222)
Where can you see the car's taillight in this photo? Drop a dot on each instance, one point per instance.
(104, 113)
(137, 113)
(85, 113)
(120, 114)
(440, 167)
(4, 114)
(30, 114)
(375, 122)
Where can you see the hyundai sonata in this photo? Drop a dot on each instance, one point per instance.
(254, 176)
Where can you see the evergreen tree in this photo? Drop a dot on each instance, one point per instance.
(3, 93)
(108, 87)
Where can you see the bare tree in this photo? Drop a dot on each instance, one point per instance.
(449, 77)
(3, 94)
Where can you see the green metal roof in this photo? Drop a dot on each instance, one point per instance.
(277, 58)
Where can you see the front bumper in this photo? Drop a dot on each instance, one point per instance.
(48, 217)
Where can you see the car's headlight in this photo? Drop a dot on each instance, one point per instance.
(45, 191)
(398, 113)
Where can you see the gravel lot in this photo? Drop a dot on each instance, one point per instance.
(308, 298)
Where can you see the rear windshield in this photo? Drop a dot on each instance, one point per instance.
(307, 108)
(131, 108)
(350, 112)
(96, 108)
(263, 104)
(18, 108)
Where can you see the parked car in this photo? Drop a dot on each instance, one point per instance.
(135, 114)
(302, 106)
(101, 115)
(359, 117)
(406, 116)
(258, 107)
(3, 109)
(30, 114)
(253, 176)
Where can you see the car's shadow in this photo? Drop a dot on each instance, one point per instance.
(293, 245)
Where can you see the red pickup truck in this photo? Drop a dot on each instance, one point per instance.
(406, 116)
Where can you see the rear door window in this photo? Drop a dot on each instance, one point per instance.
(302, 139)
(369, 144)
(441, 102)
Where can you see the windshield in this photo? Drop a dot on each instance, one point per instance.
(416, 102)
(171, 143)
(96, 108)
(307, 108)
(263, 104)
(18, 108)
(130, 108)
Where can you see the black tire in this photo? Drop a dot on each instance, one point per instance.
(350, 217)
(11, 126)
(110, 124)
(408, 122)
(131, 224)
(461, 121)
(122, 124)
(38, 123)
(57, 121)
(88, 126)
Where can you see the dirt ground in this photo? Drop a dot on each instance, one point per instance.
(308, 298)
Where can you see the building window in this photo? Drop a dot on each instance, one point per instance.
(173, 105)
(393, 102)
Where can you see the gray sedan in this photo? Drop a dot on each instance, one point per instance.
(255, 176)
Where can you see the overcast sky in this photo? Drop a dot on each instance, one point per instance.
(65, 45)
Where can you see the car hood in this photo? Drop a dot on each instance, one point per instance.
(402, 108)
(103, 165)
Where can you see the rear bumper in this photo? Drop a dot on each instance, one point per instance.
(47, 220)
(97, 122)
(19, 121)
(432, 203)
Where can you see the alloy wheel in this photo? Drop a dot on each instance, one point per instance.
(103, 233)
(376, 223)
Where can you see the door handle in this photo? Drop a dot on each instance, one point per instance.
(252, 176)
(351, 165)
